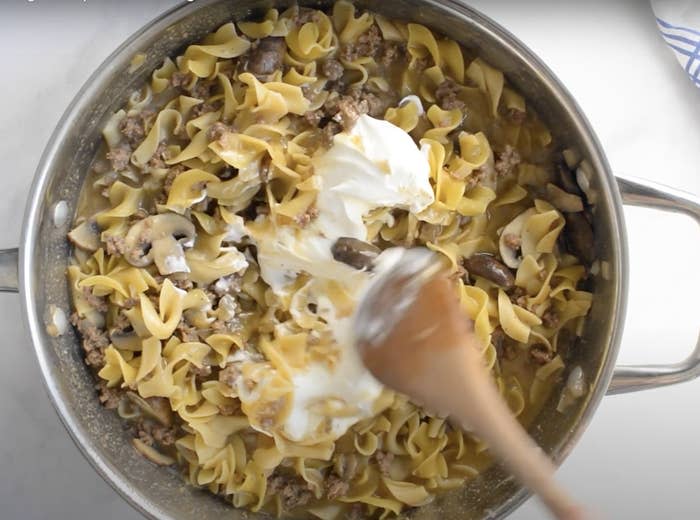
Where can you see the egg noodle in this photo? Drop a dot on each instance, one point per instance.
(213, 307)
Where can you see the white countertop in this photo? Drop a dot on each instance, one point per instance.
(640, 455)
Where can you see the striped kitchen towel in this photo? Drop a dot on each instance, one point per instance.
(679, 23)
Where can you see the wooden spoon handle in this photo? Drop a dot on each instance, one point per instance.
(486, 413)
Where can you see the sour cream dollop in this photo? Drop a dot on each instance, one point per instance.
(374, 165)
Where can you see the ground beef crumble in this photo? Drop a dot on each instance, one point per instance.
(516, 116)
(230, 375)
(356, 512)
(151, 432)
(313, 117)
(187, 332)
(97, 302)
(109, 397)
(133, 128)
(518, 296)
(293, 491)
(95, 340)
(119, 157)
(346, 109)
(130, 303)
(159, 157)
(550, 318)
(336, 487)
(202, 89)
(507, 161)
(447, 95)
(540, 354)
(384, 460)
(200, 373)
(332, 69)
(180, 80)
(121, 323)
(476, 177)
(217, 131)
(328, 132)
(349, 110)
(392, 52)
(367, 44)
(115, 245)
(512, 241)
(230, 409)
(200, 109)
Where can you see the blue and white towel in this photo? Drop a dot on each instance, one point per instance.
(679, 23)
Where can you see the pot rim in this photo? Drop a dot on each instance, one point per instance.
(610, 196)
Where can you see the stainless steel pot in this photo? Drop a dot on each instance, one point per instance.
(43, 257)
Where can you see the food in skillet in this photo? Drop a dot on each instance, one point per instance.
(233, 218)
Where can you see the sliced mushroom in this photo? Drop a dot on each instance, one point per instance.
(562, 200)
(584, 173)
(127, 410)
(126, 340)
(571, 157)
(509, 242)
(575, 388)
(152, 454)
(157, 408)
(160, 239)
(354, 252)
(579, 237)
(486, 266)
(86, 236)
(567, 180)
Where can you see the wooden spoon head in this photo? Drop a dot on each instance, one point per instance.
(420, 351)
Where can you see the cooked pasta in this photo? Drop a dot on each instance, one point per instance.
(226, 230)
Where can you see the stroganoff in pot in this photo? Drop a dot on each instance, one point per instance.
(235, 216)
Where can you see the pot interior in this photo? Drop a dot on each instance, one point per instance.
(100, 433)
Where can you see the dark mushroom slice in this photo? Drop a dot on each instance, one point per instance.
(160, 239)
(567, 180)
(354, 252)
(155, 408)
(579, 237)
(86, 236)
(268, 56)
(488, 267)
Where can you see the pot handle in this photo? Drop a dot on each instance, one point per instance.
(626, 378)
(9, 275)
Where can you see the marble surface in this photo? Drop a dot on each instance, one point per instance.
(640, 455)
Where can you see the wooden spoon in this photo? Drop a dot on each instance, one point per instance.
(413, 336)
